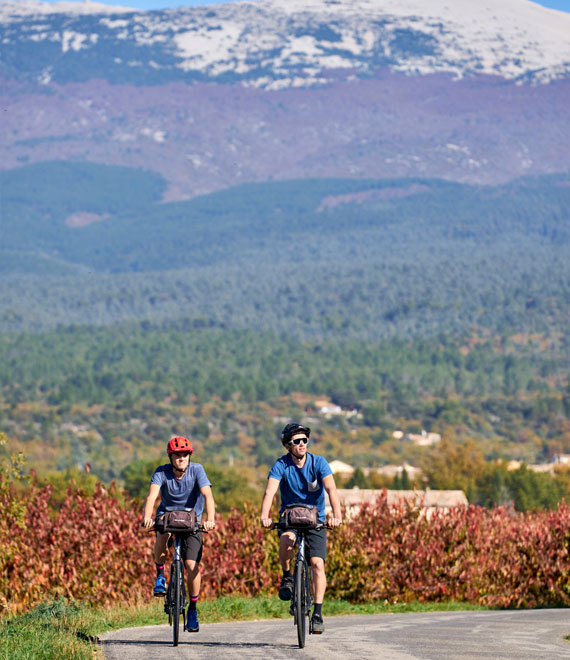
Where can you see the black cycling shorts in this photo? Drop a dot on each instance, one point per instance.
(316, 542)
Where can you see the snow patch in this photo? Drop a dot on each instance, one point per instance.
(72, 41)
(279, 43)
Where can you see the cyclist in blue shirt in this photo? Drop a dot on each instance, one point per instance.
(185, 485)
(302, 478)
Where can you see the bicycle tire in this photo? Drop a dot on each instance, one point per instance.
(177, 601)
(300, 603)
(168, 602)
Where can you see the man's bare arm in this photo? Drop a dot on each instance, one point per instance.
(330, 486)
(270, 491)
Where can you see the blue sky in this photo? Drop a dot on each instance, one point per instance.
(563, 5)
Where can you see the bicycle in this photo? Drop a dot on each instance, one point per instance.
(302, 597)
(175, 599)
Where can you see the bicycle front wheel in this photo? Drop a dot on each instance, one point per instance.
(300, 608)
(176, 579)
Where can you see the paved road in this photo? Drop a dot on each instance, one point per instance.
(511, 635)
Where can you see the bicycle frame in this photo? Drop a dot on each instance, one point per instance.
(302, 595)
(302, 599)
(175, 601)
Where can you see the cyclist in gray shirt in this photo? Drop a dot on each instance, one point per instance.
(185, 485)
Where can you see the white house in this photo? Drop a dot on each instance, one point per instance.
(424, 439)
(340, 468)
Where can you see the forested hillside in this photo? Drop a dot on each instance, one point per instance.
(110, 396)
(419, 304)
(108, 219)
(350, 258)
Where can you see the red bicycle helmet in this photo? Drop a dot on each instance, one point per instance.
(179, 445)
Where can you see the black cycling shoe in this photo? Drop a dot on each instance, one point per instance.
(317, 624)
(286, 587)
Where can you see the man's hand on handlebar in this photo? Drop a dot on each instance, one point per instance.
(266, 522)
(147, 522)
(208, 525)
(334, 522)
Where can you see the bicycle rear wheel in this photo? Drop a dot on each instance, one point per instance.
(300, 602)
(176, 579)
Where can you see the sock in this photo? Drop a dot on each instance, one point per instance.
(318, 609)
(286, 573)
(159, 569)
(193, 601)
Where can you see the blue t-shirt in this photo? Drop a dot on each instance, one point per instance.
(183, 492)
(301, 485)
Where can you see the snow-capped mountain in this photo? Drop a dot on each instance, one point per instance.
(282, 43)
(468, 90)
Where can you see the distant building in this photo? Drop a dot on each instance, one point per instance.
(542, 467)
(325, 407)
(424, 439)
(535, 467)
(513, 465)
(352, 499)
(345, 470)
(394, 470)
(341, 469)
(328, 409)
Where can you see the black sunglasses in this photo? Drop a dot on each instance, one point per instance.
(298, 441)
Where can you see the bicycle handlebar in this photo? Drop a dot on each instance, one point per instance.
(198, 528)
(277, 524)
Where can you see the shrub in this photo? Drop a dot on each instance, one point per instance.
(90, 548)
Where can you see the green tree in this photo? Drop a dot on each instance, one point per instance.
(453, 465)
(532, 490)
(136, 477)
(232, 487)
(358, 479)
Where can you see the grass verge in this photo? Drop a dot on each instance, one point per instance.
(60, 629)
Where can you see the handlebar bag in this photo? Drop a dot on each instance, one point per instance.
(301, 515)
(179, 521)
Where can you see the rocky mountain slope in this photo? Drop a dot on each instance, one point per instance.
(283, 43)
(279, 89)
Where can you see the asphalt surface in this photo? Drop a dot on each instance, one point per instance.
(502, 635)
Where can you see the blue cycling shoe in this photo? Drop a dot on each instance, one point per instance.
(159, 586)
(192, 624)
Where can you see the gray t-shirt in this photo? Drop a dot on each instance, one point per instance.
(183, 492)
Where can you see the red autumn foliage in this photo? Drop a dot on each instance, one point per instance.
(91, 548)
(492, 557)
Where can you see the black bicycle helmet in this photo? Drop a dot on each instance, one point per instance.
(292, 429)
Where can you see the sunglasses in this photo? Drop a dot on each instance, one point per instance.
(298, 441)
